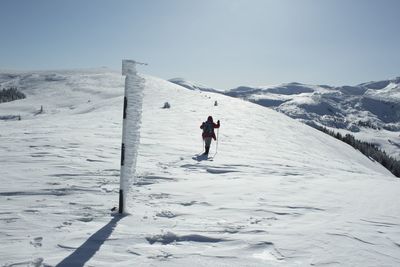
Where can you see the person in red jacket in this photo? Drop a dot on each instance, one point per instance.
(208, 132)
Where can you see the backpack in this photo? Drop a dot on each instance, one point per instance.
(208, 128)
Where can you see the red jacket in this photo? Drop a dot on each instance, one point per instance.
(214, 125)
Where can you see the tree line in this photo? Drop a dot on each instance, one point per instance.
(368, 149)
(10, 94)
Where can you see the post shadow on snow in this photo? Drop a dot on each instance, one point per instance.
(87, 250)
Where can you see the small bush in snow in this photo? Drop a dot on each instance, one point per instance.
(166, 105)
(10, 94)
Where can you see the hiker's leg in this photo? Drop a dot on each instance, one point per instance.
(207, 142)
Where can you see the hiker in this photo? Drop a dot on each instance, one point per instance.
(208, 132)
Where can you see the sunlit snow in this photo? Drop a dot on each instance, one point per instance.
(276, 193)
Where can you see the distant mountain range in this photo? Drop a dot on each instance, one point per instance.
(374, 104)
(370, 111)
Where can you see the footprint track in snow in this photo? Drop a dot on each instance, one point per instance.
(166, 214)
(267, 251)
(37, 242)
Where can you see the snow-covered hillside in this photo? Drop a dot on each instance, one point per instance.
(193, 86)
(277, 193)
(370, 111)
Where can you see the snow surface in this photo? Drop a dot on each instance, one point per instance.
(193, 86)
(277, 192)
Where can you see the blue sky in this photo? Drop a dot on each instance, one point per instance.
(220, 43)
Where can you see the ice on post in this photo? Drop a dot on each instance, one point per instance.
(134, 86)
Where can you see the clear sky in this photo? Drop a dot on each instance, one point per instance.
(220, 43)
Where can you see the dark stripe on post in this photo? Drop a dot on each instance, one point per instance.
(121, 201)
(122, 154)
(125, 105)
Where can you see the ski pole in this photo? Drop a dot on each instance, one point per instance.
(216, 148)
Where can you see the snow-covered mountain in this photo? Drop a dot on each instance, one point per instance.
(193, 86)
(276, 193)
(370, 111)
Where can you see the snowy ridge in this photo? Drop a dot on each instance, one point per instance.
(277, 193)
(193, 86)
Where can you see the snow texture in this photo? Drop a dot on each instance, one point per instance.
(277, 193)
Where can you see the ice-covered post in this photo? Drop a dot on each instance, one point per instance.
(130, 130)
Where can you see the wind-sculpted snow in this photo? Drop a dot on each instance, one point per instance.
(169, 238)
(276, 193)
